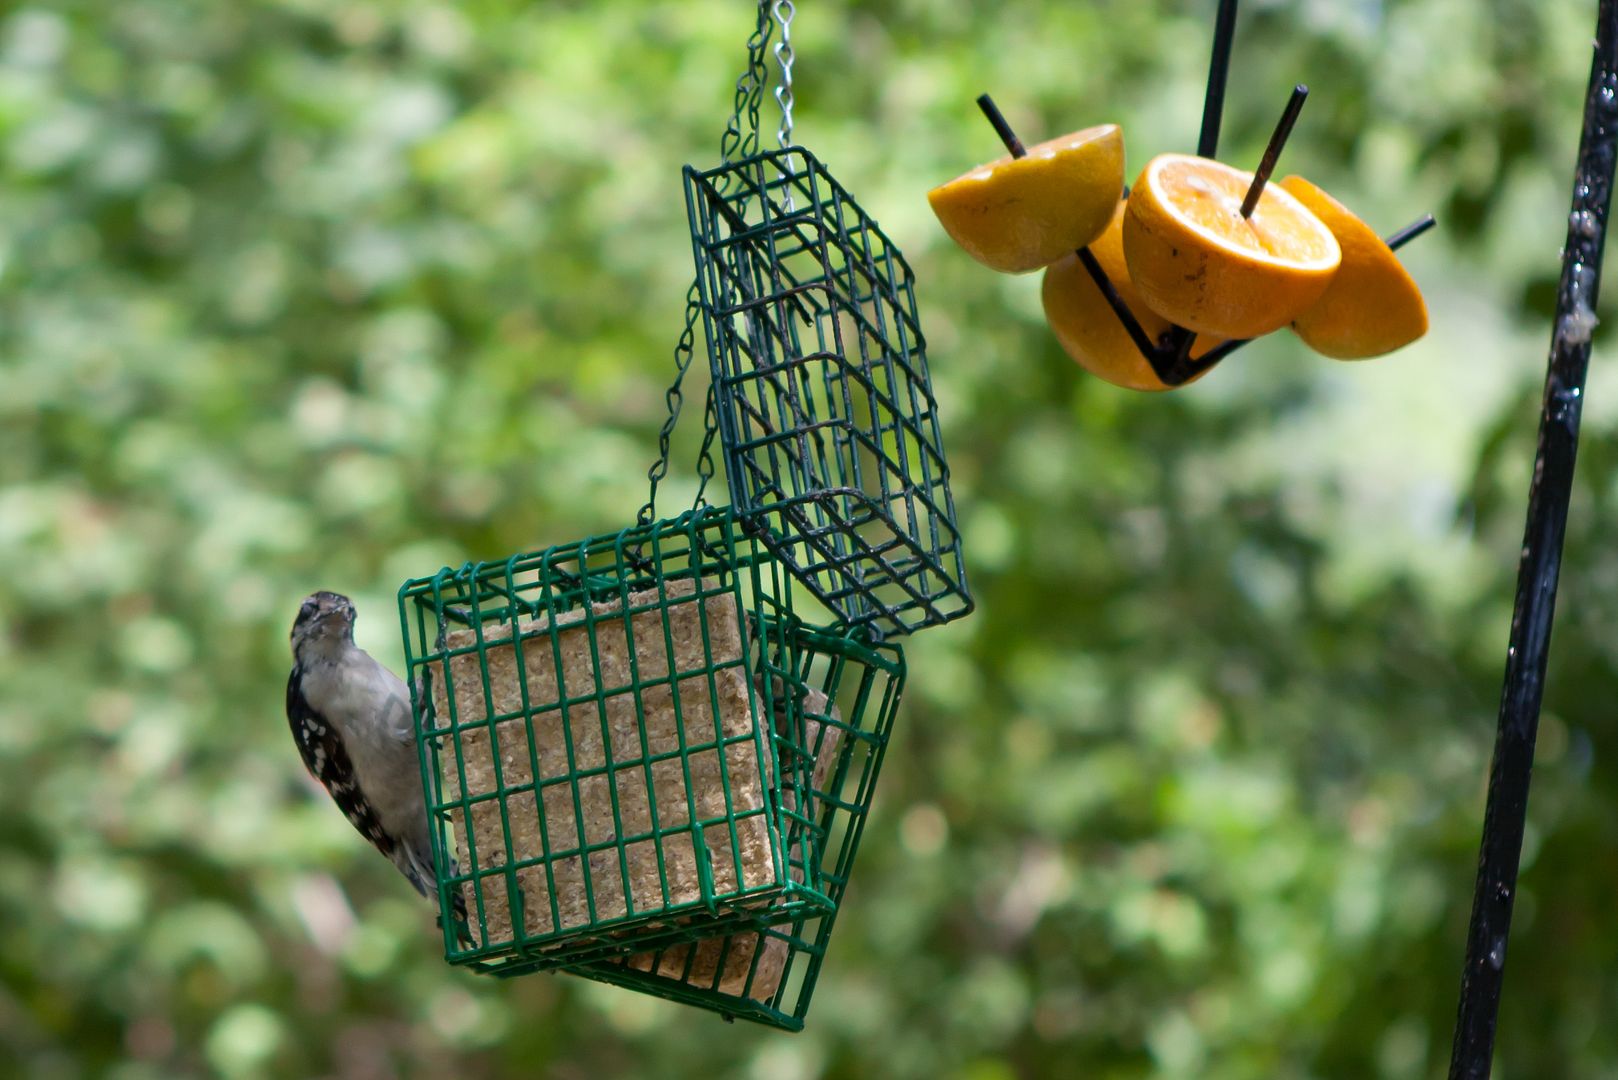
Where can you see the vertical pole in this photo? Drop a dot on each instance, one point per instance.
(1173, 364)
(1213, 104)
(1548, 494)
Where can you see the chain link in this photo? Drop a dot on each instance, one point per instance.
(705, 463)
(784, 55)
(674, 397)
(737, 142)
(741, 140)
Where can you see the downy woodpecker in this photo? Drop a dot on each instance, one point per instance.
(352, 722)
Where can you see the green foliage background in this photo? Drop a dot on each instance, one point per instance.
(302, 294)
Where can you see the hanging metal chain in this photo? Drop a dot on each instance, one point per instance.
(684, 351)
(784, 55)
(674, 397)
(741, 141)
(705, 464)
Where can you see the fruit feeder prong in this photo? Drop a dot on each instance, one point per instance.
(1272, 152)
(1001, 127)
(1173, 362)
(1170, 355)
(1399, 239)
(1148, 348)
(1395, 240)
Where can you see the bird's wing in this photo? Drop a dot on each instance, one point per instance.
(399, 721)
(328, 761)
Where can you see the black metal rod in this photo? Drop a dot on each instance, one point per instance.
(1001, 128)
(1272, 152)
(1217, 353)
(1178, 365)
(1172, 362)
(1395, 240)
(1099, 276)
(1399, 239)
(1172, 353)
(1132, 325)
(1213, 104)
(1506, 811)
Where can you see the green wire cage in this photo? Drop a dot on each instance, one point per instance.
(849, 695)
(641, 766)
(611, 744)
(826, 410)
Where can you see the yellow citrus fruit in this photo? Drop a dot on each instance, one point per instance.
(1088, 328)
(1372, 305)
(1019, 214)
(1197, 262)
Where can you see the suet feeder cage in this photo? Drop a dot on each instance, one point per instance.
(849, 693)
(641, 766)
(826, 409)
(610, 745)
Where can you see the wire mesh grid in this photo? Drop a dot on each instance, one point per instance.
(849, 693)
(826, 409)
(606, 732)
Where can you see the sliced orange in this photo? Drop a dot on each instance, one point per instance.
(1372, 305)
(1019, 214)
(1197, 262)
(1088, 328)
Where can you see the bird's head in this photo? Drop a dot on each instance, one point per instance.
(325, 624)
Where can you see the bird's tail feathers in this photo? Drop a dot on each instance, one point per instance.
(417, 867)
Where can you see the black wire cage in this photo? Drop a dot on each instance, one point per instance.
(826, 409)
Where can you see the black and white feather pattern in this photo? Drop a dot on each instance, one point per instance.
(327, 760)
(351, 719)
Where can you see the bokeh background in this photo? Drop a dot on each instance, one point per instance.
(302, 294)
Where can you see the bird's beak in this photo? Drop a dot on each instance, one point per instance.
(343, 614)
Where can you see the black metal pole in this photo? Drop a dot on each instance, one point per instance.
(1172, 362)
(1213, 102)
(1548, 493)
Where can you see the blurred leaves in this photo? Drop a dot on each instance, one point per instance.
(299, 295)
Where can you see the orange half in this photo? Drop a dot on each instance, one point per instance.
(1019, 214)
(1197, 262)
(1089, 329)
(1373, 306)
